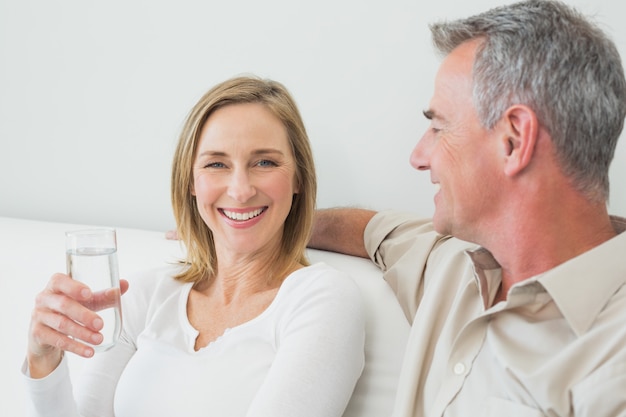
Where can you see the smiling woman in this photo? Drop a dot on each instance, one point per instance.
(245, 325)
(241, 132)
(244, 180)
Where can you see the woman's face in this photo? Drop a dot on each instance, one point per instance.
(244, 178)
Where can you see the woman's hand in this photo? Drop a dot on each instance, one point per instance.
(60, 322)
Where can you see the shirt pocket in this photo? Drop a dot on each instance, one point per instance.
(497, 407)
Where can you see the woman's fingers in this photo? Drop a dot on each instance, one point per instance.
(59, 320)
(65, 315)
(103, 299)
(64, 305)
(46, 339)
(65, 319)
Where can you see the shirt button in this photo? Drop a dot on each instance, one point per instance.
(459, 369)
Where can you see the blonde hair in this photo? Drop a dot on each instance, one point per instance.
(201, 258)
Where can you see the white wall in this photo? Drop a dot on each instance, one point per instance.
(92, 95)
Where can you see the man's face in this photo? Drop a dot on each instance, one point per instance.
(461, 155)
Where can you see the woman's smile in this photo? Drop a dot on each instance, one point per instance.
(242, 215)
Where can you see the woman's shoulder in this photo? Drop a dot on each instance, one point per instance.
(319, 293)
(321, 278)
(320, 273)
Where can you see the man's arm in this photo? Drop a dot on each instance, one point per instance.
(341, 230)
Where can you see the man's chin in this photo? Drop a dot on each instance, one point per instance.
(440, 226)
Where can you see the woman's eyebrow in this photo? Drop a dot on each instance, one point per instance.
(263, 151)
(266, 151)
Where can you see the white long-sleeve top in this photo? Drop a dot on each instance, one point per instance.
(301, 357)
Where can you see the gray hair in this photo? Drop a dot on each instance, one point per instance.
(546, 55)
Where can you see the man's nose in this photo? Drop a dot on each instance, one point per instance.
(420, 156)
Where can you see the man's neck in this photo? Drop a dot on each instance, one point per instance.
(540, 242)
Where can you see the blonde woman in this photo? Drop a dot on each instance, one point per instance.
(245, 326)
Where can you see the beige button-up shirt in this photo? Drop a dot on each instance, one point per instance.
(555, 347)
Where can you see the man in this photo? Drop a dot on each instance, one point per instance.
(516, 288)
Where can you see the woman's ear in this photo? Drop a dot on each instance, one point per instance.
(521, 128)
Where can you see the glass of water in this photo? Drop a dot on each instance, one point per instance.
(91, 256)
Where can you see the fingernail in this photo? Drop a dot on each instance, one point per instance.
(98, 323)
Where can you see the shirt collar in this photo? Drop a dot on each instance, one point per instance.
(486, 274)
(580, 287)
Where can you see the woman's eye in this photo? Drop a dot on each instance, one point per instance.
(215, 165)
(266, 163)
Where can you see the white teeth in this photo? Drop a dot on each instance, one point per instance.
(242, 216)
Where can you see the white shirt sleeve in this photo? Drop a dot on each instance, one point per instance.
(53, 396)
(55, 389)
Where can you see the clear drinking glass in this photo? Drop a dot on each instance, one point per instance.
(92, 258)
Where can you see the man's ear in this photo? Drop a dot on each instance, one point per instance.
(521, 128)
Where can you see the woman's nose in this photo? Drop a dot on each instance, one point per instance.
(240, 187)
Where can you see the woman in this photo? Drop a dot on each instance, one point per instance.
(244, 327)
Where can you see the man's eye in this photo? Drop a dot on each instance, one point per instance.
(435, 129)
